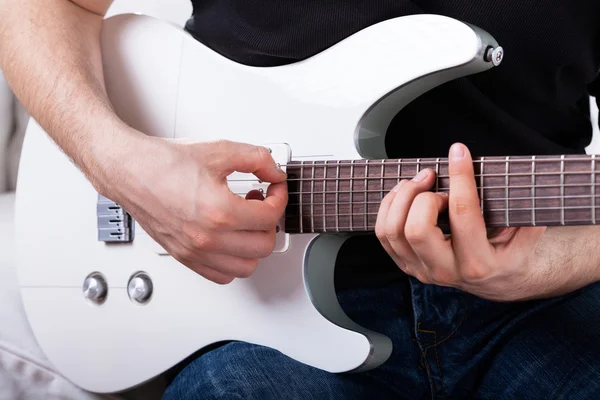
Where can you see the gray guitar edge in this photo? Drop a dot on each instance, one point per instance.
(370, 133)
(319, 267)
(319, 270)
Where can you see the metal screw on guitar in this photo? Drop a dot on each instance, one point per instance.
(495, 55)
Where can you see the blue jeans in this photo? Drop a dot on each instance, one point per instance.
(447, 345)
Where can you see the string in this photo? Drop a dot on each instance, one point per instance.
(369, 227)
(538, 198)
(444, 190)
(389, 177)
(441, 161)
(503, 210)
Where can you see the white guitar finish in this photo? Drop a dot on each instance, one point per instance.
(335, 105)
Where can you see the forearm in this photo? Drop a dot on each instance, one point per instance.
(50, 54)
(570, 255)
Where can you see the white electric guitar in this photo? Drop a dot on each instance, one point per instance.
(112, 310)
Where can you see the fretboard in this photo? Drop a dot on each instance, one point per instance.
(344, 196)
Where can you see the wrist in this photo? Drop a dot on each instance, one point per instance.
(109, 156)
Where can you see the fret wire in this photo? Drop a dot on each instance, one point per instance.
(399, 172)
(481, 184)
(582, 196)
(337, 197)
(507, 190)
(437, 175)
(352, 192)
(445, 161)
(312, 197)
(366, 188)
(562, 189)
(593, 186)
(324, 189)
(300, 195)
(533, 190)
(418, 166)
(382, 175)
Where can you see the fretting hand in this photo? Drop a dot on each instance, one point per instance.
(504, 267)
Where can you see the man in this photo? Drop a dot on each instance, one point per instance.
(511, 315)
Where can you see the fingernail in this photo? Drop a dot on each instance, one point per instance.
(442, 194)
(281, 170)
(457, 152)
(421, 176)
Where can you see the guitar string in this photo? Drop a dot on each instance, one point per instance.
(568, 208)
(371, 228)
(511, 187)
(390, 177)
(392, 162)
(538, 198)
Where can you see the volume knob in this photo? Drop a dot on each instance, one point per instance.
(95, 288)
(140, 288)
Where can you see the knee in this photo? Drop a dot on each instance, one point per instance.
(242, 370)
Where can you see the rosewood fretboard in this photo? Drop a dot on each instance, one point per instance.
(344, 196)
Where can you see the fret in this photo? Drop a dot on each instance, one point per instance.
(324, 191)
(382, 181)
(337, 197)
(366, 189)
(562, 189)
(399, 171)
(533, 191)
(300, 194)
(352, 196)
(481, 182)
(312, 198)
(437, 175)
(418, 166)
(507, 192)
(594, 189)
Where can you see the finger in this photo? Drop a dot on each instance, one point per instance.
(255, 214)
(384, 209)
(427, 239)
(380, 224)
(245, 244)
(229, 157)
(398, 213)
(469, 235)
(227, 265)
(211, 274)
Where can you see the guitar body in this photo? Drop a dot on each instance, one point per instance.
(335, 105)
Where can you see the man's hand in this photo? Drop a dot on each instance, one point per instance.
(178, 193)
(516, 264)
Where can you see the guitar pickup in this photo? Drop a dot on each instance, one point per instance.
(114, 223)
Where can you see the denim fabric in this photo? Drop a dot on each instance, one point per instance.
(447, 345)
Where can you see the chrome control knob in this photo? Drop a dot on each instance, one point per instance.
(95, 288)
(140, 288)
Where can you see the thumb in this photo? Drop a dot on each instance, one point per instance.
(229, 157)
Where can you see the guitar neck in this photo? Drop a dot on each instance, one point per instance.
(344, 196)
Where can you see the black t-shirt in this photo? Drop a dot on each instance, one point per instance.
(537, 102)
